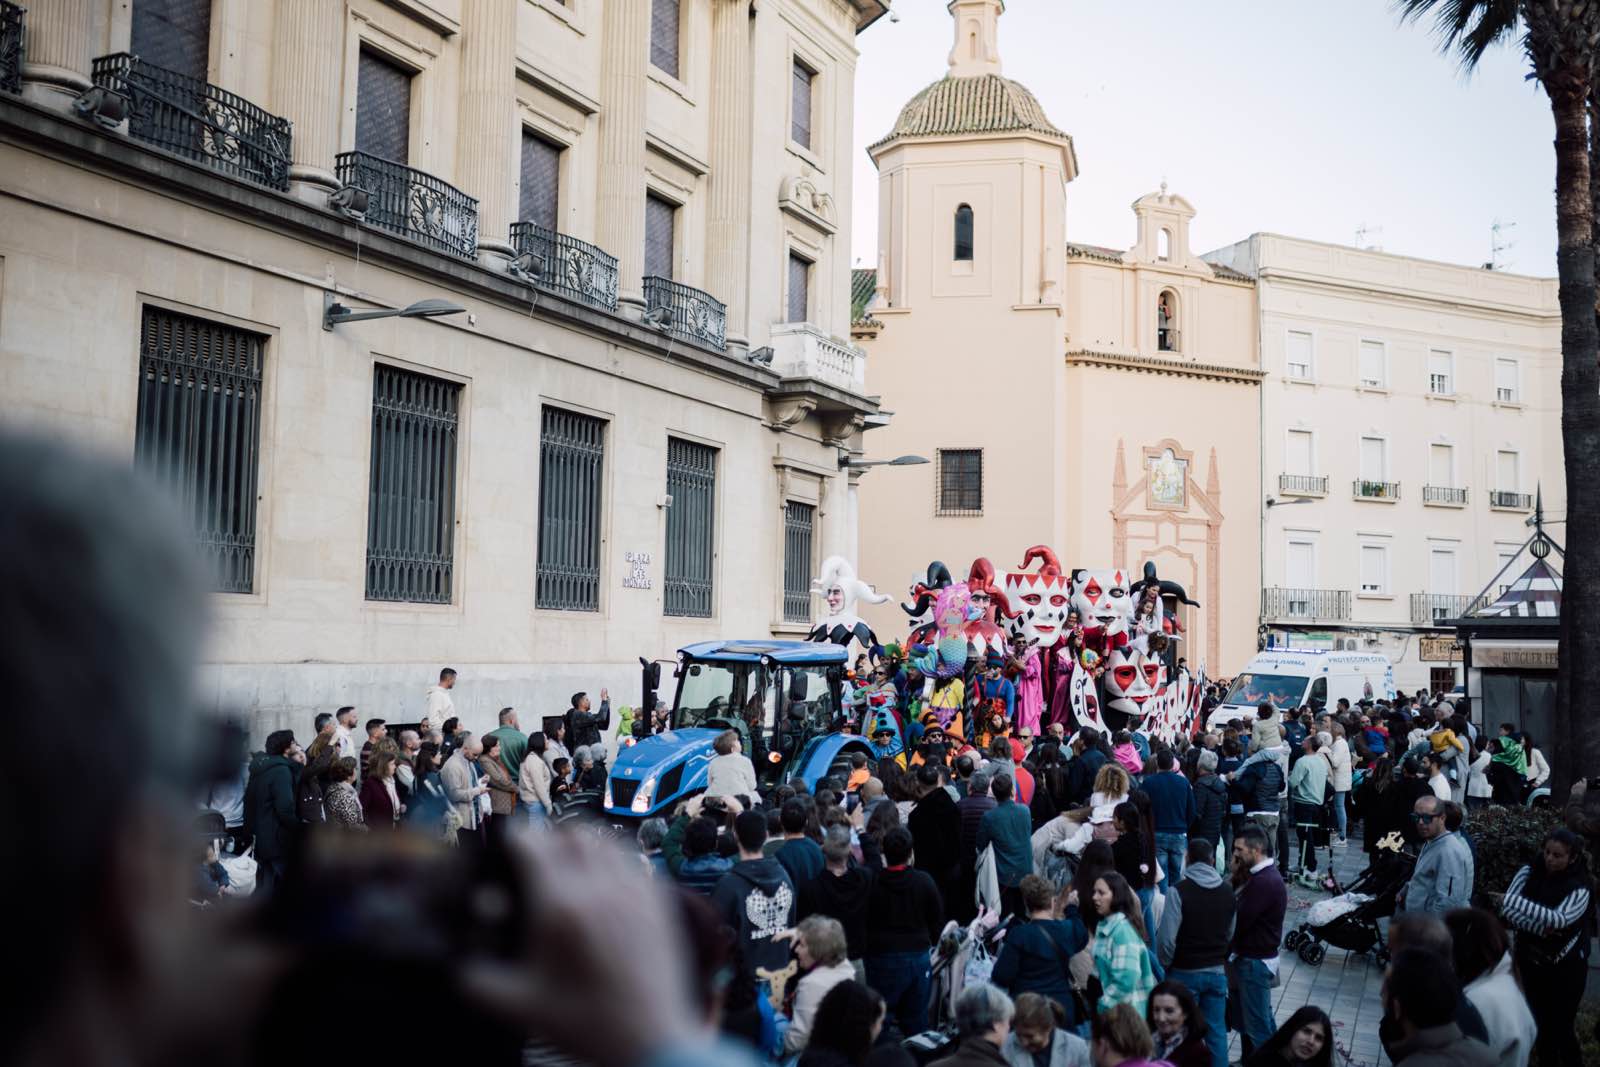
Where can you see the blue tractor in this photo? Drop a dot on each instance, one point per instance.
(781, 697)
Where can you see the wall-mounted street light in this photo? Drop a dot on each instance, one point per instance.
(845, 462)
(335, 313)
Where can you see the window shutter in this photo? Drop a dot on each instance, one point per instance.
(1442, 572)
(1373, 558)
(798, 522)
(664, 35)
(1298, 457)
(1372, 459)
(1441, 465)
(1371, 364)
(1298, 354)
(540, 195)
(660, 217)
(1440, 381)
(799, 288)
(174, 34)
(571, 465)
(383, 108)
(411, 510)
(1300, 567)
(1507, 476)
(1505, 381)
(800, 105)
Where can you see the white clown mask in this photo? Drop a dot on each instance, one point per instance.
(1101, 599)
(1133, 680)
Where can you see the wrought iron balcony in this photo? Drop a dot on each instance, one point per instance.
(801, 350)
(1303, 484)
(1305, 605)
(11, 47)
(1365, 490)
(197, 120)
(1444, 494)
(1499, 498)
(567, 266)
(1433, 609)
(413, 203)
(693, 316)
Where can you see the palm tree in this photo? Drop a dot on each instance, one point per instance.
(1560, 38)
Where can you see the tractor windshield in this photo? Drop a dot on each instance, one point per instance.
(712, 693)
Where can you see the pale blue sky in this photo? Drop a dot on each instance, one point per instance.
(1306, 119)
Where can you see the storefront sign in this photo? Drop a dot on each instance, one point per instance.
(1438, 650)
(1535, 655)
(637, 575)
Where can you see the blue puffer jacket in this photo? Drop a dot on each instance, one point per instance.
(702, 873)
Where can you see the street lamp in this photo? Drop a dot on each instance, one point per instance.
(335, 313)
(845, 462)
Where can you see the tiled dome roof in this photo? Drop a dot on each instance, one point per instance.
(984, 104)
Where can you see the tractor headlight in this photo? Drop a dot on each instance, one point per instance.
(607, 802)
(646, 794)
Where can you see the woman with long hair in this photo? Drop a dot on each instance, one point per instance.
(1097, 859)
(847, 1022)
(1306, 1040)
(1121, 959)
(1111, 786)
(1481, 956)
(1549, 904)
(1120, 1038)
(1538, 772)
(1382, 805)
(1177, 1026)
(502, 788)
(380, 799)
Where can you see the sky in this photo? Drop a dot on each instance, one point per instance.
(1311, 120)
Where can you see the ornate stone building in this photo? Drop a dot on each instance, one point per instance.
(624, 428)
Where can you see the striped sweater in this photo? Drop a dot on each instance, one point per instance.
(1563, 923)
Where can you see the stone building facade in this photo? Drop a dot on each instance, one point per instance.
(633, 433)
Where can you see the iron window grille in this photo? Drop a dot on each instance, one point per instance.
(960, 481)
(1443, 494)
(199, 432)
(196, 120)
(664, 35)
(1367, 489)
(173, 34)
(383, 107)
(567, 266)
(799, 288)
(1278, 603)
(539, 194)
(1303, 484)
(413, 204)
(571, 463)
(692, 483)
(695, 316)
(12, 46)
(799, 522)
(1501, 498)
(660, 236)
(411, 489)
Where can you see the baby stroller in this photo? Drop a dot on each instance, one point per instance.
(1350, 920)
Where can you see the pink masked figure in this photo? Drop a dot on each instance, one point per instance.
(1134, 678)
(1102, 601)
(1025, 674)
(946, 655)
(983, 633)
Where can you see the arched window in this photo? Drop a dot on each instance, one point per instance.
(1164, 244)
(1167, 321)
(963, 248)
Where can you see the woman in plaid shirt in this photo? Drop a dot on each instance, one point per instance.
(1121, 960)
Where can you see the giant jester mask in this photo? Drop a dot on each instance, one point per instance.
(1101, 599)
(840, 588)
(1039, 599)
(1133, 678)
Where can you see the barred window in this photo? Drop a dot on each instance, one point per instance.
(383, 108)
(692, 484)
(571, 460)
(960, 481)
(963, 242)
(798, 523)
(664, 35)
(199, 431)
(173, 34)
(540, 194)
(660, 226)
(411, 487)
(799, 288)
(800, 104)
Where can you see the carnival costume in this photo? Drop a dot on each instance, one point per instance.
(840, 587)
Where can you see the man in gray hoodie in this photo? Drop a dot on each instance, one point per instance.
(1192, 940)
(1443, 876)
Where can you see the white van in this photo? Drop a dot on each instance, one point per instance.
(1291, 678)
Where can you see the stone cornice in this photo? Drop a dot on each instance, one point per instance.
(1154, 365)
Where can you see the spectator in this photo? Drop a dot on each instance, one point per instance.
(903, 921)
(1262, 901)
(755, 899)
(1128, 848)
(1383, 805)
(1339, 779)
(344, 806)
(1009, 828)
(1258, 784)
(1126, 753)
(533, 783)
(730, 772)
(1087, 759)
(1437, 782)
(1508, 771)
(454, 735)
(1265, 729)
(1420, 997)
(1428, 933)
(1172, 807)
(819, 948)
(702, 867)
(1120, 1038)
(1111, 786)
(840, 892)
(428, 801)
(1305, 1040)
(1479, 788)
(584, 726)
(1192, 941)
(935, 825)
(463, 785)
(441, 707)
(380, 799)
(964, 766)
(800, 856)
(377, 730)
(1308, 782)
(405, 772)
(270, 817)
(971, 808)
(344, 735)
(1443, 876)
(1549, 903)
(312, 785)
(1538, 767)
(847, 1022)
(1211, 802)
(502, 786)
(1121, 960)
(555, 733)
(1035, 955)
(1481, 955)
(1178, 1030)
(652, 833)
(983, 1022)
(513, 742)
(1039, 1036)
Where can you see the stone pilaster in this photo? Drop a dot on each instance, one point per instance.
(623, 82)
(487, 146)
(60, 46)
(307, 86)
(728, 185)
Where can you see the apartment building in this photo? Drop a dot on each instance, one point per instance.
(1411, 411)
(503, 334)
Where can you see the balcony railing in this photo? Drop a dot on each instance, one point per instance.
(413, 204)
(567, 266)
(1305, 605)
(198, 121)
(692, 316)
(1433, 609)
(1303, 484)
(1499, 498)
(10, 47)
(800, 350)
(1444, 494)
(1365, 490)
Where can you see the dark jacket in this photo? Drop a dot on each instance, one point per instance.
(1258, 923)
(935, 827)
(1260, 783)
(973, 1052)
(756, 901)
(1193, 1052)
(375, 805)
(583, 727)
(972, 810)
(802, 858)
(1210, 808)
(1171, 801)
(842, 897)
(1080, 774)
(1034, 959)
(1127, 851)
(702, 873)
(309, 789)
(269, 808)
(904, 912)
(1442, 1046)
(1009, 828)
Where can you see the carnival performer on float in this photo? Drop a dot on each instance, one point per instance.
(985, 637)
(840, 587)
(1022, 668)
(1040, 601)
(920, 607)
(995, 706)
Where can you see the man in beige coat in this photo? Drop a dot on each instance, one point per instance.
(533, 784)
(464, 784)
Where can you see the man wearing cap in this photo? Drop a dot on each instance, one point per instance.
(933, 748)
(995, 691)
(885, 745)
